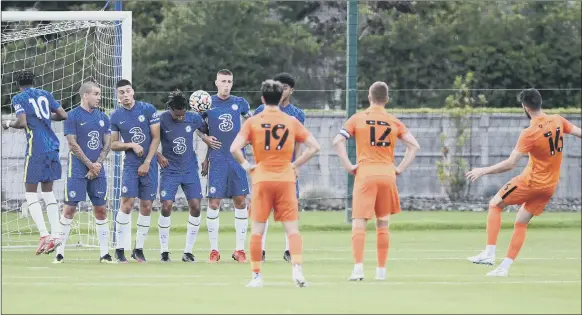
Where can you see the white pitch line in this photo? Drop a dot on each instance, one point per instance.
(318, 276)
(290, 283)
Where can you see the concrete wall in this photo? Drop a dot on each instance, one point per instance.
(492, 139)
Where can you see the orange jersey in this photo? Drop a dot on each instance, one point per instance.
(543, 140)
(272, 135)
(376, 133)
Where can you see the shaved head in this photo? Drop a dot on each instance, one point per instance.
(87, 88)
(378, 93)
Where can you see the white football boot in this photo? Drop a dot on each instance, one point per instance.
(380, 273)
(357, 273)
(498, 272)
(256, 282)
(298, 277)
(483, 258)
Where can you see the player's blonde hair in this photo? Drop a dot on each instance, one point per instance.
(379, 92)
(87, 87)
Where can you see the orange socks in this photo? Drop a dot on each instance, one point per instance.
(358, 241)
(295, 248)
(256, 249)
(493, 224)
(382, 245)
(516, 240)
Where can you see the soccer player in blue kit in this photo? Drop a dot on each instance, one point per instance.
(179, 168)
(135, 129)
(285, 105)
(88, 133)
(226, 178)
(34, 109)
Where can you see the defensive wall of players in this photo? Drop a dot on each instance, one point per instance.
(492, 139)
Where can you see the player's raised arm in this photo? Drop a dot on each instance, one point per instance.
(20, 122)
(570, 128)
(501, 167)
(412, 147)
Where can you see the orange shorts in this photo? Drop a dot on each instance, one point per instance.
(279, 196)
(534, 200)
(375, 195)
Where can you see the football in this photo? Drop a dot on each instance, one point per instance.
(200, 101)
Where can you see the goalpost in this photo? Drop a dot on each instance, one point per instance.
(63, 49)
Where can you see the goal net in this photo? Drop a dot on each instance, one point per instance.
(63, 49)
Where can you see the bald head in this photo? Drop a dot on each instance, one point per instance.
(378, 93)
(90, 94)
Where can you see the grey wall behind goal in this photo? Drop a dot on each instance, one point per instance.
(323, 183)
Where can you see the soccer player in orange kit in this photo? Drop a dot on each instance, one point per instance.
(273, 135)
(375, 192)
(534, 187)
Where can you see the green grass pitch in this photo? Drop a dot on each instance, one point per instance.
(427, 272)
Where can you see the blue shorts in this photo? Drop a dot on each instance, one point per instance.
(142, 187)
(77, 190)
(190, 182)
(42, 168)
(227, 179)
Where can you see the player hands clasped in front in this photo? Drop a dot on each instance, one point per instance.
(272, 135)
(226, 178)
(286, 107)
(375, 191)
(135, 129)
(34, 109)
(88, 133)
(179, 168)
(534, 187)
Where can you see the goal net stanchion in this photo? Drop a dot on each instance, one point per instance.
(63, 49)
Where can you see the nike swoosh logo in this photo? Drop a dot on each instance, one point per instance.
(168, 131)
(153, 195)
(82, 124)
(121, 122)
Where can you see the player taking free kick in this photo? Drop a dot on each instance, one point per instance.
(375, 191)
(532, 189)
(273, 135)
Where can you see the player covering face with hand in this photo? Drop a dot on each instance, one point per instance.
(375, 191)
(544, 143)
(88, 133)
(135, 129)
(179, 168)
(272, 135)
(35, 109)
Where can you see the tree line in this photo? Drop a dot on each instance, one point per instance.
(418, 47)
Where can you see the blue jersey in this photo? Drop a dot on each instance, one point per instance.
(224, 122)
(177, 139)
(133, 125)
(89, 128)
(37, 105)
(290, 110)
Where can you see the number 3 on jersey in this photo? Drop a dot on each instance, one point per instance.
(278, 132)
(41, 107)
(383, 128)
